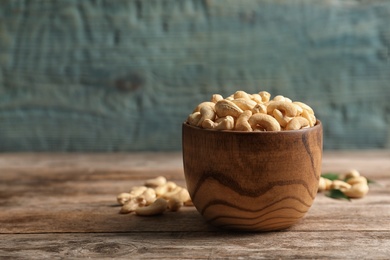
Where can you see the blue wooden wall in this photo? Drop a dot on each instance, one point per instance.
(123, 75)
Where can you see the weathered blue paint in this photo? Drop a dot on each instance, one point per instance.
(122, 75)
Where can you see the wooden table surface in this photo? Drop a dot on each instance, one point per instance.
(64, 206)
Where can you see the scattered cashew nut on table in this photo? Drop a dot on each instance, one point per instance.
(352, 184)
(157, 207)
(156, 196)
(242, 111)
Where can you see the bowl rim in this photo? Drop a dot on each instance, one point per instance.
(317, 125)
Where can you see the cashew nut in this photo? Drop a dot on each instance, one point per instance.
(282, 119)
(241, 94)
(351, 173)
(216, 97)
(259, 108)
(282, 98)
(265, 96)
(257, 98)
(223, 123)
(279, 98)
(264, 122)
(287, 108)
(242, 123)
(143, 200)
(123, 197)
(208, 124)
(324, 184)
(223, 114)
(158, 181)
(178, 193)
(183, 195)
(299, 109)
(156, 208)
(167, 187)
(227, 108)
(128, 207)
(137, 190)
(321, 184)
(207, 112)
(328, 183)
(206, 103)
(244, 104)
(310, 117)
(132, 205)
(356, 180)
(354, 186)
(304, 107)
(297, 123)
(174, 204)
(340, 185)
(193, 119)
(171, 193)
(357, 190)
(149, 195)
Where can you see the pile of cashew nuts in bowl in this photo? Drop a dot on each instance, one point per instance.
(252, 112)
(238, 112)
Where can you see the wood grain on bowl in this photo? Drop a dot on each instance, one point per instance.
(252, 181)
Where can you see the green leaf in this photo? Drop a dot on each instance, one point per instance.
(337, 194)
(330, 175)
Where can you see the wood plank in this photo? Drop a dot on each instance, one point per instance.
(63, 206)
(200, 245)
(367, 161)
(98, 214)
(76, 193)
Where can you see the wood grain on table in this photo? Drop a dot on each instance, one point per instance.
(64, 206)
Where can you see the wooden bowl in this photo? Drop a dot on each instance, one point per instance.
(255, 181)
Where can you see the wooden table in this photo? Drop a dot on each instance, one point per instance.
(64, 206)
